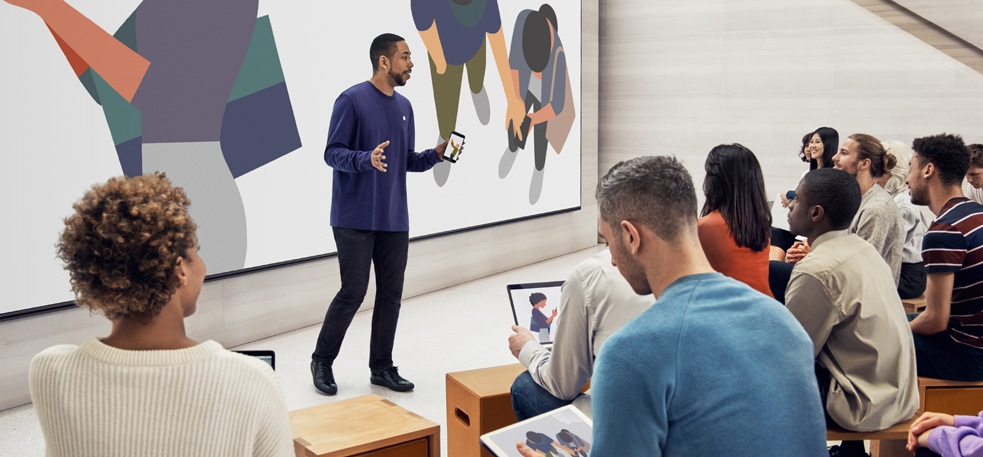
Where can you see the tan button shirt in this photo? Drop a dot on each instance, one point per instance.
(844, 295)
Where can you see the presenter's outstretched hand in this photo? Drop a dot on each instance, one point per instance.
(377, 157)
(440, 149)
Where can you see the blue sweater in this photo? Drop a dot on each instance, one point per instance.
(362, 197)
(712, 368)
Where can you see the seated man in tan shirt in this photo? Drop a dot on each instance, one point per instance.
(843, 293)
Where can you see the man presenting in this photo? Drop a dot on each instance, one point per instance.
(370, 147)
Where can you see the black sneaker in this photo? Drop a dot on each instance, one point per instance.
(323, 378)
(390, 379)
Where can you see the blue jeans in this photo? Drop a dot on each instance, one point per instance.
(530, 399)
(357, 250)
(939, 356)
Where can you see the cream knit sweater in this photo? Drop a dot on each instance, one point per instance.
(97, 400)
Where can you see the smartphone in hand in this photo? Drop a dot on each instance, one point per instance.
(454, 147)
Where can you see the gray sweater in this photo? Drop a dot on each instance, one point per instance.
(879, 222)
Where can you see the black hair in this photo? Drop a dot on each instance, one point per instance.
(565, 436)
(654, 191)
(533, 436)
(536, 297)
(948, 153)
(735, 186)
(836, 191)
(831, 143)
(805, 145)
(536, 37)
(383, 45)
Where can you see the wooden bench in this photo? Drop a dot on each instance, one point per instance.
(935, 395)
(366, 426)
(478, 402)
(914, 305)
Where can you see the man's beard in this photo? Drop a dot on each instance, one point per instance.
(397, 78)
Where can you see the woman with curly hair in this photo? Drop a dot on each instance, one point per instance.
(147, 389)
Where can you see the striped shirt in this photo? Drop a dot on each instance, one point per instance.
(954, 243)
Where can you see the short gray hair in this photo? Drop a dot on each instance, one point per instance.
(656, 192)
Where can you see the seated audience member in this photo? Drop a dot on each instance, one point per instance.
(713, 367)
(735, 222)
(973, 187)
(130, 249)
(595, 302)
(878, 221)
(912, 282)
(948, 334)
(937, 434)
(818, 148)
(844, 296)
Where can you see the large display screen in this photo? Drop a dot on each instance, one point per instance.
(232, 99)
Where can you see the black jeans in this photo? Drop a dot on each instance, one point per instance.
(357, 249)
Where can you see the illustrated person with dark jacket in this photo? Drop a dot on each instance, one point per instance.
(539, 323)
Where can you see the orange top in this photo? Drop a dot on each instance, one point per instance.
(742, 264)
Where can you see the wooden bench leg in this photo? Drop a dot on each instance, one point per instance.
(889, 448)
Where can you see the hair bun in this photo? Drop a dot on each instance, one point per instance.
(889, 161)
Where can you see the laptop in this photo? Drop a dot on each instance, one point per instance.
(535, 306)
(267, 356)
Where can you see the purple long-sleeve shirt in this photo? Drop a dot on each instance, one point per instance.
(362, 197)
(963, 440)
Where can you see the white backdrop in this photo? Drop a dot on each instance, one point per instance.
(56, 143)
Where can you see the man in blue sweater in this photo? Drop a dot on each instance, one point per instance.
(371, 147)
(713, 367)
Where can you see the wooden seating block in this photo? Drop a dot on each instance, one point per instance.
(478, 402)
(914, 305)
(935, 395)
(950, 397)
(363, 426)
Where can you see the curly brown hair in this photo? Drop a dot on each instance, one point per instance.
(122, 244)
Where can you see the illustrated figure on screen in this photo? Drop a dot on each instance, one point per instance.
(572, 444)
(541, 443)
(539, 69)
(455, 33)
(190, 88)
(539, 323)
(455, 149)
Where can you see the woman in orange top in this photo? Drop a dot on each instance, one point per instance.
(735, 223)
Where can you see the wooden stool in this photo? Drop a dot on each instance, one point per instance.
(478, 402)
(914, 305)
(363, 426)
(935, 395)
(950, 397)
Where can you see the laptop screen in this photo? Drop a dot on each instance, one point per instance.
(535, 306)
(266, 356)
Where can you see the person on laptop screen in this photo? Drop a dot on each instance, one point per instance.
(540, 324)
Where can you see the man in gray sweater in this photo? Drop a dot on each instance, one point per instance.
(878, 221)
